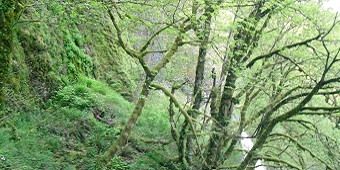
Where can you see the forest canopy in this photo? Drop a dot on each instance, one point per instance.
(180, 84)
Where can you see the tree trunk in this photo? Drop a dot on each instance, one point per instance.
(6, 37)
(248, 38)
(125, 134)
(217, 141)
(202, 30)
(149, 77)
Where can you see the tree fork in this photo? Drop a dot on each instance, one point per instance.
(150, 76)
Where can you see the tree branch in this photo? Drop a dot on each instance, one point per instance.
(166, 59)
(278, 160)
(147, 43)
(151, 52)
(252, 62)
(121, 42)
(304, 148)
(322, 108)
(177, 104)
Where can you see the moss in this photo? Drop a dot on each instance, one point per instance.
(46, 59)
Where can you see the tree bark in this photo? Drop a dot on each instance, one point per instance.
(137, 111)
(7, 16)
(149, 77)
(248, 38)
(202, 30)
(270, 126)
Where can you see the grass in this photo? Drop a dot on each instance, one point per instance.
(66, 135)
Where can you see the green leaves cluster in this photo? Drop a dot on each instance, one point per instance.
(78, 62)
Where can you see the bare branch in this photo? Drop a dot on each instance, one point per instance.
(169, 54)
(152, 52)
(333, 80)
(266, 109)
(147, 43)
(296, 64)
(278, 160)
(291, 98)
(320, 113)
(304, 123)
(304, 148)
(252, 62)
(177, 104)
(335, 22)
(329, 109)
(121, 42)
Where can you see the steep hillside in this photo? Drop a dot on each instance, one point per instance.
(56, 41)
(131, 84)
(62, 82)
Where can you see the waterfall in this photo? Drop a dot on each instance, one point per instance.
(247, 144)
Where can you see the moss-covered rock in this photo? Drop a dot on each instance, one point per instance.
(70, 39)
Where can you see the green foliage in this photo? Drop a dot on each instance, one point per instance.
(155, 118)
(88, 94)
(78, 62)
(149, 161)
(26, 154)
(78, 97)
(62, 46)
(158, 157)
(145, 163)
(118, 164)
(63, 78)
(69, 135)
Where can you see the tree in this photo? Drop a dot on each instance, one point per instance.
(181, 27)
(277, 94)
(202, 27)
(274, 72)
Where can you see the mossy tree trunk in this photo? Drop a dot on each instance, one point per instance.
(9, 15)
(150, 74)
(10, 12)
(248, 38)
(202, 28)
(264, 134)
(124, 137)
(269, 122)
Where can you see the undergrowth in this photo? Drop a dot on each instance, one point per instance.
(78, 124)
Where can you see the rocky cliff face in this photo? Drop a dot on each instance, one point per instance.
(54, 42)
